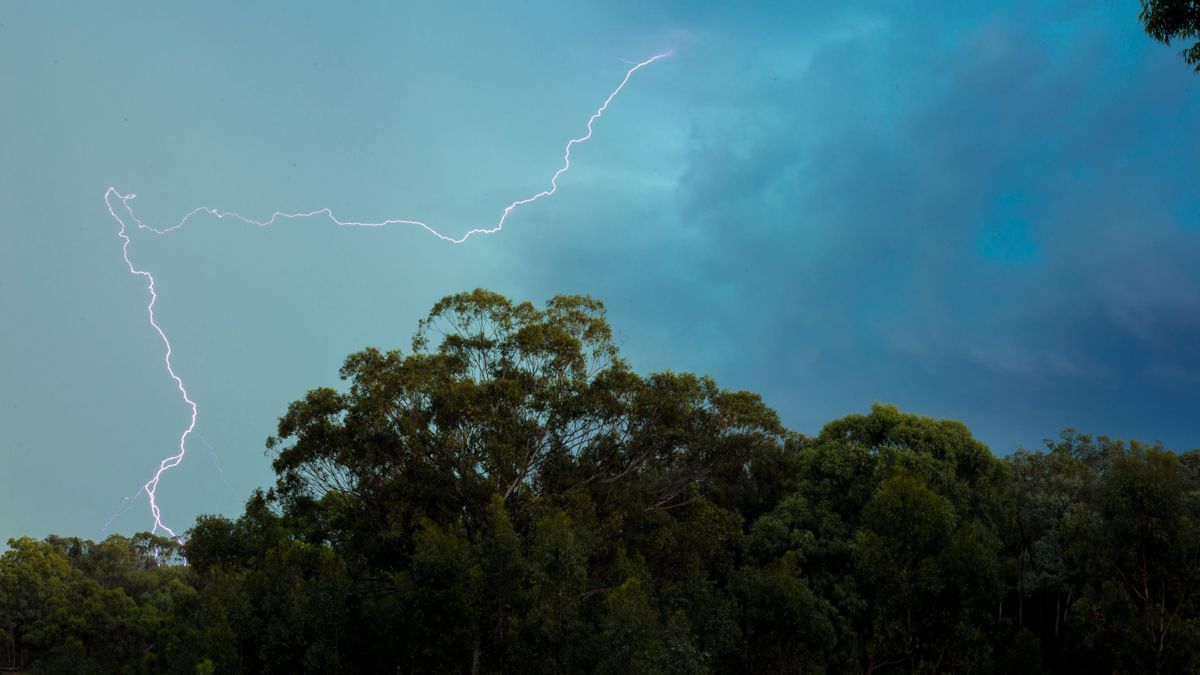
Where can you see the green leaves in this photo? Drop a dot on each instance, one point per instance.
(511, 497)
(1138, 533)
(512, 400)
(1167, 20)
(56, 616)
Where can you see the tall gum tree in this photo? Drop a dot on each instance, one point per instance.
(508, 399)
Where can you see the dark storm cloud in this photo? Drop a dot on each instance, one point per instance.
(986, 225)
(977, 210)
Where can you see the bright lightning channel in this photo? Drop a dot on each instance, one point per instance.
(170, 462)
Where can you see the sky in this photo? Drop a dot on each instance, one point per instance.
(980, 211)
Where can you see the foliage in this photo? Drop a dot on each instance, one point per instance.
(1166, 20)
(511, 497)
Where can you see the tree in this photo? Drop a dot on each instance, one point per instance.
(59, 620)
(493, 480)
(510, 496)
(786, 628)
(1166, 20)
(1141, 536)
(1044, 489)
(515, 401)
(929, 579)
(891, 523)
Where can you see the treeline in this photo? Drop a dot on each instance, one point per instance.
(515, 499)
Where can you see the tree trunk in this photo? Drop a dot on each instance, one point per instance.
(1021, 593)
(476, 653)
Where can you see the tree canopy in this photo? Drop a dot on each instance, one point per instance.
(1167, 20)
(509, 496)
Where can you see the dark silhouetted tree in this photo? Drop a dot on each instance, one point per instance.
(1167, 20)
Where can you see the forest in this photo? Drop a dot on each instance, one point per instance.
(510, 496)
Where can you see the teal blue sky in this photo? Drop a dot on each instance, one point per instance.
(975, 210)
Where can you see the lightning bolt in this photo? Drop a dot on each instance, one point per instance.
(113, 195)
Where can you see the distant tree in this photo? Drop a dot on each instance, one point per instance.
(1140, 533)
(56, 619)
(1166, 20)
(511, 497)
(1044, 488)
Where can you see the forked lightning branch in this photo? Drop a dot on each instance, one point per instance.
(119, 207)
